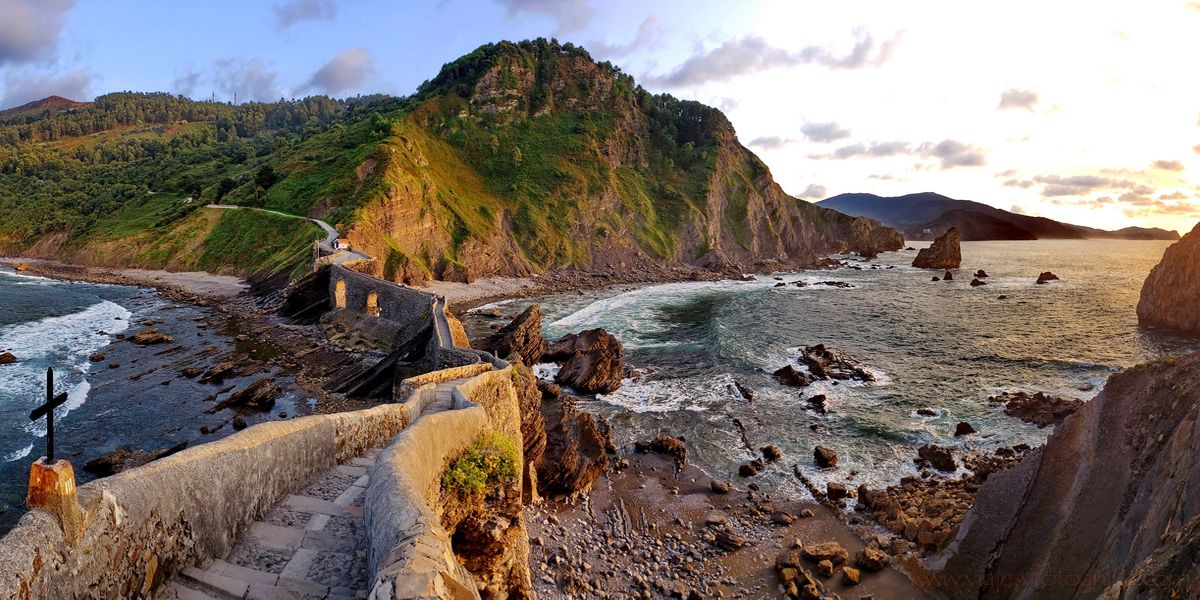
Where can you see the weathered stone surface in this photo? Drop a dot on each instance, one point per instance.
(825, 457)
(533, 425)
(940, 458)
(1171, 293)
(124, 459)
(260, 395)
(830, 551)
(522, 336)
(945, 253)
(870, 559)
(1040, 409)
(1101, 502)
(150, 336)
(592, 361)
(575, 448)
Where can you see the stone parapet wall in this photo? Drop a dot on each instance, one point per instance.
(143, 525)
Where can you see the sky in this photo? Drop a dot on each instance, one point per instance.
(1085, 111)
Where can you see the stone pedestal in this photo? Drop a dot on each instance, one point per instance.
(52, 489)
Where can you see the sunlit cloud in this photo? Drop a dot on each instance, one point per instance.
(1168, 165)
(814, 191)
(1021, 99)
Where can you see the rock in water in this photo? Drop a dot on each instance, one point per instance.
(1046, 277)
(591, 361)
(124, 458)
(941, 458)
(963, 428)
(948, 276)
(789, 376)
(977, 283)
(1108, 501)
(981, 274)
(945, 253)
(1171, 293)
(1041, 409)
(825, 457)
(8, 358)
(522, 336)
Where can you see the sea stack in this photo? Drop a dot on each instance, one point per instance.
(1171, 293)
(945, 253)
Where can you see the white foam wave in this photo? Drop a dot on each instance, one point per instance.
(17, 454)
(65, 341)
(669, 395)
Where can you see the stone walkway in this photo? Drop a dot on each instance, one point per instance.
(309, 546)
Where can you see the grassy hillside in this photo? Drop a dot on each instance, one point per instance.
(514, 159)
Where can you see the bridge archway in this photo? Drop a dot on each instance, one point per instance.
(373, 304)
(339, 294)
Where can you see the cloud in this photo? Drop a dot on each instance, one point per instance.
(246, 79)
(650, 34)
(728, 104)
(872, 150)
(1014, 98)
(1168, 165)
(1008, 173)
(957, 154)
(296, 11)
(770, 142)
(346, 71)
(824, 132)
(1173, 196)
(30, 29)
(813, 191)
(1019, 209)
(1020, 183)
(20, 89)
(1196, 148)
(752, 54)
(571, 15)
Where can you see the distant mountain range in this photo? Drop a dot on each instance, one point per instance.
(927, 215)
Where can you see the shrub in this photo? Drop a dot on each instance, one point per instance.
(491, 459)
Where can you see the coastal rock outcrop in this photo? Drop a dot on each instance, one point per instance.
(260, 395)
(822, 362)
(576, 444)
(1171, 293)
(1039, 408)
(1046, 277)
(945, 253)
(522, 336)
(150, 336)
(8, 358)
(1105, 509)
(592, 361)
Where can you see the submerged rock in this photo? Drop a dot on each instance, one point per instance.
(1171, 293)
(977, 283)
(945, 253)
(1040, 408)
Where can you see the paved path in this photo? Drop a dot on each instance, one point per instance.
(309, 546)
(331, 234)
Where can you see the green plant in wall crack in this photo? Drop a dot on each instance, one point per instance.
(490, 460)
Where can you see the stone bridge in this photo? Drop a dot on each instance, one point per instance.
(345, 505)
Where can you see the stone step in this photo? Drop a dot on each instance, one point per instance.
(222, 585)
(176, 591)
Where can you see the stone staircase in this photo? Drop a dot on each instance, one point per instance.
(310, 546)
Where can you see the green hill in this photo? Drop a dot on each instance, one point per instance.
(514, 159)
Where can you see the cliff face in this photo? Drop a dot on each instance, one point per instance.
(1109, 505)
(1171, 294)
(522, 157)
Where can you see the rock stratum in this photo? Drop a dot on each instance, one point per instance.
(1107, 508)
(1171, 293)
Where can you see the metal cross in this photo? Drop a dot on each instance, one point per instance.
(47, 410)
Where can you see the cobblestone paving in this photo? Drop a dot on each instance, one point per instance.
(309, 546)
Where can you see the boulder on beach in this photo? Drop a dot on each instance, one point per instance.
(940, 458)
(97, 357)
(945, 253)
(1171, 293)
(21, 267)
(591, 361)
(8, 358)
(1047, 277)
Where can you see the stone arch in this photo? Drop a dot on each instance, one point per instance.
(373, 304)
(339, 294)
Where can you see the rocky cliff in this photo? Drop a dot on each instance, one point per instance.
(1107, 508)
(1171, 294)
(944, 253)
(520, 157)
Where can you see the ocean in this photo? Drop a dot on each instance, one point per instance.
(135, 398)
(946, 346)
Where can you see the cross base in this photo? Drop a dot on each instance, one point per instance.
(52, 489)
